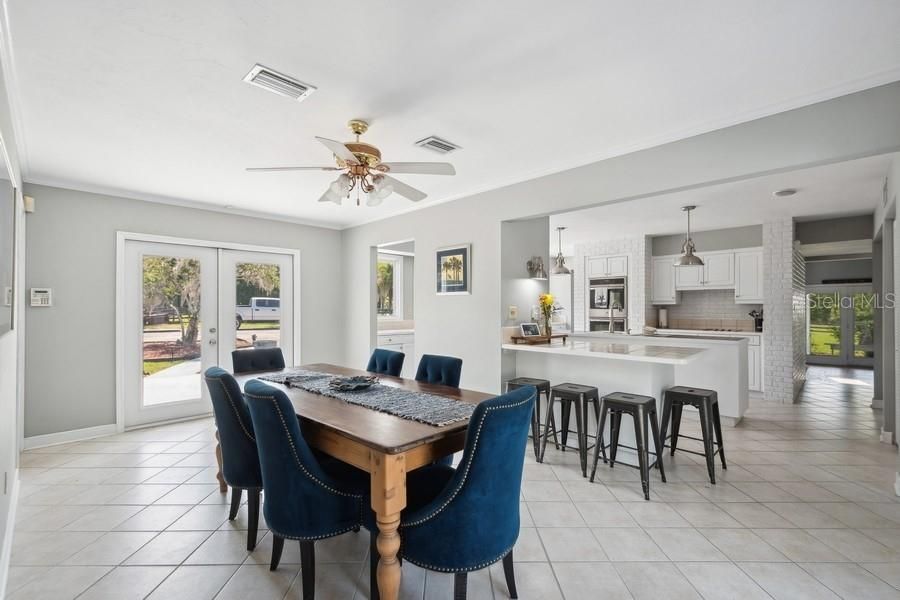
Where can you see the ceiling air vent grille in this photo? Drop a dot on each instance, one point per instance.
(437, 144)
(278, 83)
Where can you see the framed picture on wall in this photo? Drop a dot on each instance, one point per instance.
(453, 266)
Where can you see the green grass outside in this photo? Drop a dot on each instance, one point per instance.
(256, 325)
(155, 366)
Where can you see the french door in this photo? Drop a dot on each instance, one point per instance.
(841, 325)
(185, 308)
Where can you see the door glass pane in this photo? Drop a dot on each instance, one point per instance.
(863, 325)
(385, 285)
(171, 332)
(824, 324)
(258, 310)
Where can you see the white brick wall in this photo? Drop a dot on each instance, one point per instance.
(784, 293)
(636, 249)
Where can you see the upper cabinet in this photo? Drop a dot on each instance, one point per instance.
(740, 270)
(662, 283)
(614, 265)
(748, 280)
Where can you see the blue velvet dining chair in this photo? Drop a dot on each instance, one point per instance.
(240, 459)
(257, 359)
(463, 520)
(443, 370)
(306, 499)
(386, 362)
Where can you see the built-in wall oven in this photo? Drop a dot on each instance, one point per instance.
(608, 301)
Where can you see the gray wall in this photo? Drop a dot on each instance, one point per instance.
(70, 359)
(717, 239)
(519, 241)
(819, 271)
(817, 134)
(834, 230)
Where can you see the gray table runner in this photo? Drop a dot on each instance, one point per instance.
(415, 406)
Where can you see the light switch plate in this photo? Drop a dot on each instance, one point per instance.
(513, 312)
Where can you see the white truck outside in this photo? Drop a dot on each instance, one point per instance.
(259, 309)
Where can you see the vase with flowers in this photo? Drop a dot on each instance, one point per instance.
(546, 303)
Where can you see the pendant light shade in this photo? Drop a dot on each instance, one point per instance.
(560, 268)
(688, 258)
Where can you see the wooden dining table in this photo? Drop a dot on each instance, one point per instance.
(385, 446)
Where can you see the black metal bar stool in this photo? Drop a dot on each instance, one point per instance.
(643, 411)
(707, 403)
(543, 387)
(568, 394)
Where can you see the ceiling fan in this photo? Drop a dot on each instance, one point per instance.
(363, 171)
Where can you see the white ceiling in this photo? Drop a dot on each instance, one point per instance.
(841, 189)
(146, 98)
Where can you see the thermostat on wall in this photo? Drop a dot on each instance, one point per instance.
(41, 297)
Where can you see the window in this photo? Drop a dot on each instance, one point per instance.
(389, 286)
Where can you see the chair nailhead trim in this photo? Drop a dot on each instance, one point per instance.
(468, 464)
(302, 468)
(237, 414)
(315, 537)
(477, 567)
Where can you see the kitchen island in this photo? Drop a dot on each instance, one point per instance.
(639, 364)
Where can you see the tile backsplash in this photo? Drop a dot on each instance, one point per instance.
(710, 309)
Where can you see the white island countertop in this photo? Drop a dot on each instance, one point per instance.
(615, 349)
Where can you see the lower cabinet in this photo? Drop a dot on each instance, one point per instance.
(404, 343)
(754, 364)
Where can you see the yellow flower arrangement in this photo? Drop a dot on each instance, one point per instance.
(546, 303)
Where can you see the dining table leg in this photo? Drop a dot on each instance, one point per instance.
(223, 487)
(388, 477)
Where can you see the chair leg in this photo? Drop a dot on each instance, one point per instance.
(676, 426)
(252, 518)
(658, 442)
(565, 417)
(510, 574)
(579, 433)
(308, 569)
(717, 423)
(553, 424)
(535, 425)
(547, 420)
(374, 594)
(705, 433)
(235, 503)
(460, 583)
(640, 436)
(598, 443)
(614, 438)
(277, 547)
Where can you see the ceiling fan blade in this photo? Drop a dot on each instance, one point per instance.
(407, 191)
(279, 169)
(339, 150)
(421, 168)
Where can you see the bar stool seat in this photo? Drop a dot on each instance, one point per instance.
(643, 411)
(543, 387)
(568, 394)
(707, 403)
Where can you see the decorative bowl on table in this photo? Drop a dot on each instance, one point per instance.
(352, 384)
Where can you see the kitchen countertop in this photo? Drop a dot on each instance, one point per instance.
(624, 348)
(673, 332)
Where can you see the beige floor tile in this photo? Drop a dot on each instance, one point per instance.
(194, 583)
(168, 548)
(628, 544)
(537, 581)
(704, 514)
(654, 514)
(656, 582)
(742, 545)
(259, 583)
(717, 581)
(799, 546)
(201, 517)
(112, 548)
(852, 581)
(787, 581)
(854, 545)
(581, 581)
(60, 583)
(153, 518)
(887, 572)
(605, 514)
(127, 583)
(570, 544)
(685, 544)
(555, 514)
(103, 518)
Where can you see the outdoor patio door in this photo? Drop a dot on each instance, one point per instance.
(841, 325)
(185, 308)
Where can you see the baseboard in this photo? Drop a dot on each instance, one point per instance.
(886, 437)
(65, 437)
(6, 548)
(731, 421)
(877, 403)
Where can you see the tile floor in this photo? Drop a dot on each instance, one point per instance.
(805, 510)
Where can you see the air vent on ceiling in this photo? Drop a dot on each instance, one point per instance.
(437, 144)
(279, 83)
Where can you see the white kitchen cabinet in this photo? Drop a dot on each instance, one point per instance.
(754, 351)
(754, 368)
(748, 276)
(401, 342)
(716, 272)
(662, 282)
(612, 265)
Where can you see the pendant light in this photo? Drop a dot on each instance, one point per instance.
(560, 268)
(687, 258)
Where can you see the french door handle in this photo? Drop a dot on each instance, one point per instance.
(212, 341)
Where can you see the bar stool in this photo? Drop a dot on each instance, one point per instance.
(568, 394)
(707, 403)
(643, 411)
(543, 387)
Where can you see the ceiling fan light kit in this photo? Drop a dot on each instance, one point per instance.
(364, 172)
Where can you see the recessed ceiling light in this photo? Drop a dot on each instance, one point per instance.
(785, 192)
